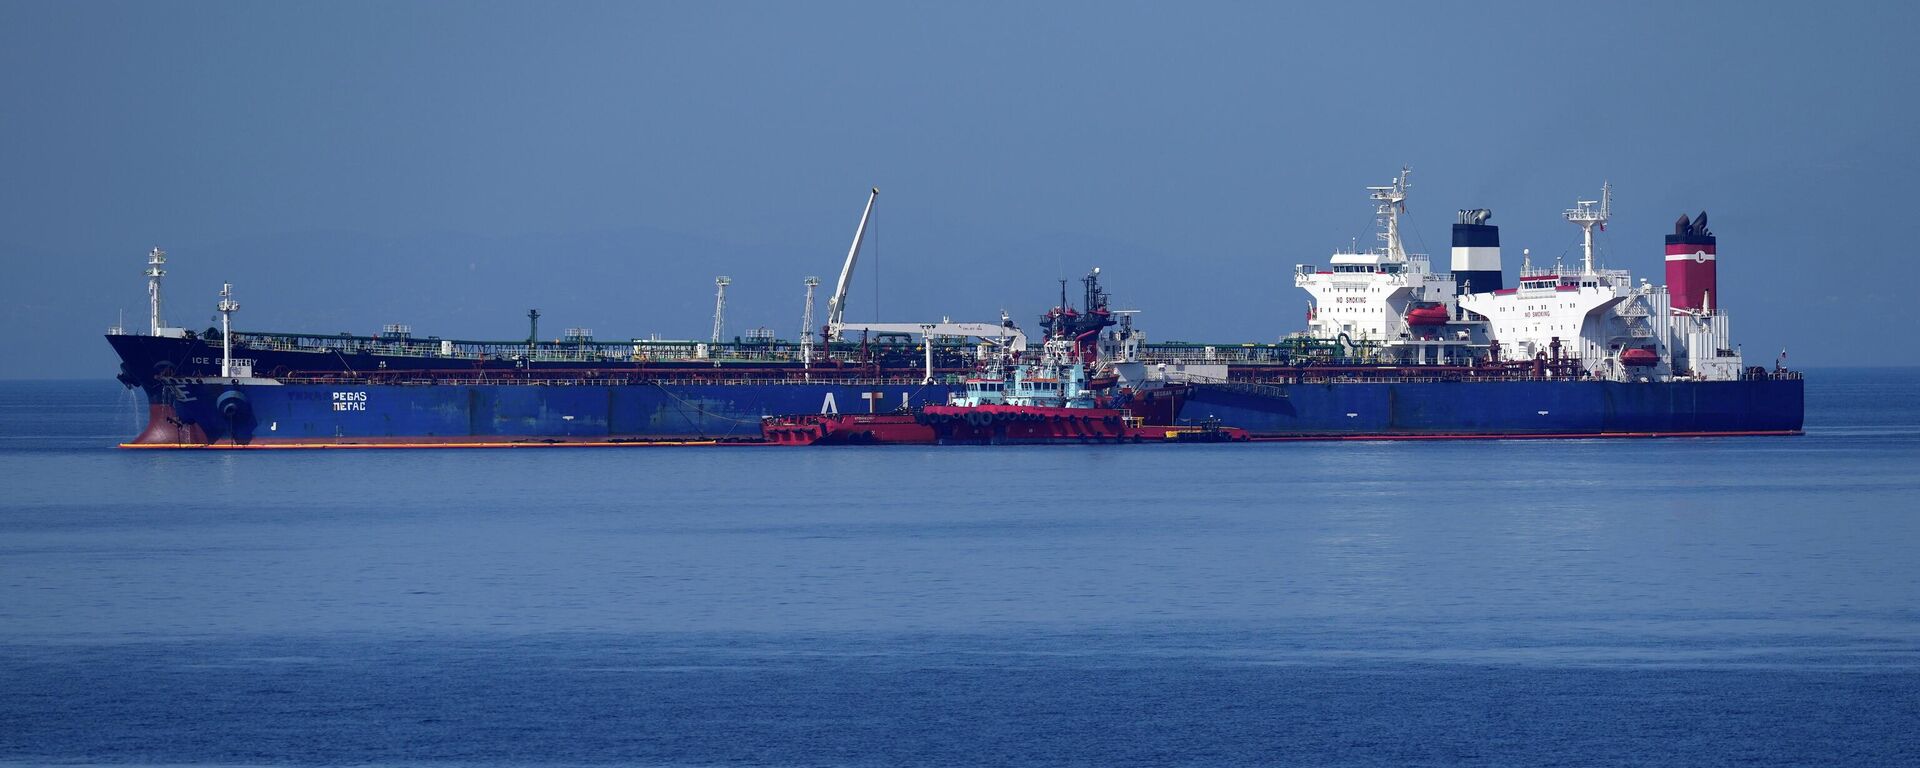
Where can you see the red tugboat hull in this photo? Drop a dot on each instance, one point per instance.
(1032, 425)
(1025, 424)
(846, 429)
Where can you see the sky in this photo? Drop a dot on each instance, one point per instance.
(450, 165)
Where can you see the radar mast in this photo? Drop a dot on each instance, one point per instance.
(1586, 216)
(1392, 201)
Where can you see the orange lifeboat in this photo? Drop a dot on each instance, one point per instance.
(1639, 357)
(1429, 315)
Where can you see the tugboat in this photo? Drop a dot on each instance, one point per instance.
(1007, 406)
(1049, 402)
(1008, 403)
(1052, 401)
(1070, 394)
(1061, 398)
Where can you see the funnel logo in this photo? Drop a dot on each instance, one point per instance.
(1700, 257)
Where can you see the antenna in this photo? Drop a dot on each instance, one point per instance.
(156, 269)
(1060, 329)
(1586, 216)
(806, 321)
(1392, 201)
(720, 306)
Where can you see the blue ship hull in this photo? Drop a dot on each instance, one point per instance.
(222, 413)
(256, 414)
(1503, 408)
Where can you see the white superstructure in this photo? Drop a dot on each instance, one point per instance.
(1616, 330)
(1593, 321)
(1386, 296)
(1590, 314)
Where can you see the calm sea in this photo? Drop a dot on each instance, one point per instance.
(1684, 601)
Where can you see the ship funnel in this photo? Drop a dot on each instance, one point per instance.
(1691, 271)
(1476, 253)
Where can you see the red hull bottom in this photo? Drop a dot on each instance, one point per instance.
(1144, 435)
(1031, 425)
(1528, 436)
(846, 429)
(391, 443)
(166, 430)
(1017, 424)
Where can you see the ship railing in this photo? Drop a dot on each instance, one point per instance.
(1258, 355)
(1223, 354)
(567, 352)
(1191, 377)
(601, 381)
(641, 379)
(1345, 379)
(1353, 380)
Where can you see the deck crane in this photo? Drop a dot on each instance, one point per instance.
(1004, 334)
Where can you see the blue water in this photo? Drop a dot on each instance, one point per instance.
(1602, 602)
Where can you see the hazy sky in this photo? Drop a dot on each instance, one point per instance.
(450, 165)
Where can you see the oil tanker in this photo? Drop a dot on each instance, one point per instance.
(1393, 349)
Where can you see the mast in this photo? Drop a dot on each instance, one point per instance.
(837, 304)
(1586, 216)
(720, 306)
(227, 307)
(806, 322)
(533, 329)
(1060, 328)
(1392, 201)
(156, 269)
(926, 340)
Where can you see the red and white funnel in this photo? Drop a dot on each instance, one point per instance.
(1691, 276)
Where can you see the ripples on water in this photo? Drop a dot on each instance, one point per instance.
(1694, 602)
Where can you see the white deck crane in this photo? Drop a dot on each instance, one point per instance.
(1003, 333)
(837, 304)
